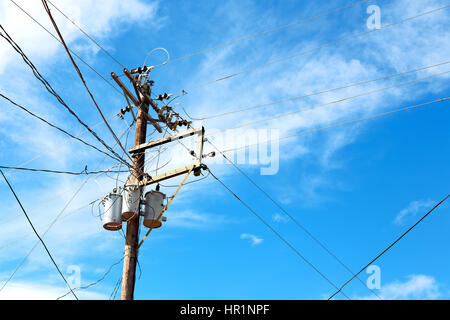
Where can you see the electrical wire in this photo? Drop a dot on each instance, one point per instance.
(264, 33)
(50, 89)
(186, 183)
(95, 282)
(153, 50)
(47, 9)
(86, 34)
(390, 246)
(329, 44)
(52, 223)
(39, 237)
(303, 228)
(116, 289)
(283, 115)
(340, 124)
(76, 55)
(312, 94)
(52, 125)
(12, 241)
(64, 172)
(277, 234)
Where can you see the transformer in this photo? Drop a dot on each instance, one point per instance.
(112, 218)
(130, 203)
(154, 204)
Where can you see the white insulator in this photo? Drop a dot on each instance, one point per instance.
(112, 218)
(154, 204)
(130, 203)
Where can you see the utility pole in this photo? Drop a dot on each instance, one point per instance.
(132, 236)
(165, 116)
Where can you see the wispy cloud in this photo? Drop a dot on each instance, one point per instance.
(115, 16)
(412, 209)
(39, 291)
(280, 218)
(254, 240)
(194, 220)
(416, 287)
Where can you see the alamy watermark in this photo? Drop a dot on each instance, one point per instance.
(374, 20)
(374, 280)
(74, 278)
(251, 146)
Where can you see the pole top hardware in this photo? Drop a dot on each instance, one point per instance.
(140, 70)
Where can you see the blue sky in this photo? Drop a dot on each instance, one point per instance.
(356, 188)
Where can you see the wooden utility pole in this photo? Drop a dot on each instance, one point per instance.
(132, 237)
(142, 87)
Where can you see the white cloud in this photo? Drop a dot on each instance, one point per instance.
(98, 18)
(417, 287)
(280, 218)
(412, 209)
(39, 291)
(254, 240)
(193, 220)
(327, 68)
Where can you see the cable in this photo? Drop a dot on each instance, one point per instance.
(52, 223)
(263, 33)
(340, 124)
(391, 245)
(116, 289)
(52, 125)
(12, 241)
(37, 234)
(50, 89)
(64, 192)
(64, 172)
(95, 282)
(126, 143)
(186, 183)
(312, 94)
(76, 55)
(329, 44)
(290, 216)
(153, 50)
(81, 76)
(276, 233)
(86, 34)
(282, 115)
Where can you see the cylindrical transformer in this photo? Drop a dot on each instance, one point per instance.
(112, 218)
(154, 204)
(130, 203)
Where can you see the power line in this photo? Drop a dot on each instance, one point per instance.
(17, 239)
(54, 221)
(37, 234)
(116, 289)
(86, 34)
(282, 115)
(290, 216)
(65, 142)
(340, 124)
(277, 233)
(76, 55)
(54, 126)
(68, 190)
(47, 9)
(217, 115)
(50, 89)
(95, 282)
(264, 33)
(74, 173)
(329, 44)
(391, 245)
